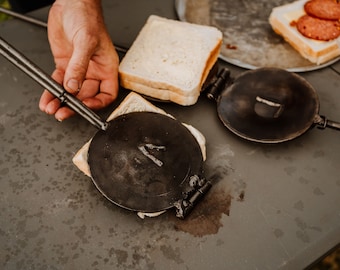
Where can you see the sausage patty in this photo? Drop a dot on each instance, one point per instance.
(318, 29)
(323, 9)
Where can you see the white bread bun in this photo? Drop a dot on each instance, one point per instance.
(133, 103)
(170, 60)
(315, 51)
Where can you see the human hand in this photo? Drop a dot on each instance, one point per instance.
(85, 58)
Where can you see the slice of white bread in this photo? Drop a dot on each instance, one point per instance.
(315, 51)
(133, 103)
(170, 60)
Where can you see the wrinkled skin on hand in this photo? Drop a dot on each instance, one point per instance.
(86, 63)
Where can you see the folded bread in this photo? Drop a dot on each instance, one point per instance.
(133, 103)
(170, 60)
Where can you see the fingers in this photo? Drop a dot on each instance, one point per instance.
(99, 101)
(51, 105)
(64, 113)
(77, 67)
(48, 103)
(93, 94)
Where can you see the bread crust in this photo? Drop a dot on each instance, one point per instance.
(161, 94)
(211, 61)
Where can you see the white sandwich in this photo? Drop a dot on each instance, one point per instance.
(318, 52)
(170, 60)
(133, 103)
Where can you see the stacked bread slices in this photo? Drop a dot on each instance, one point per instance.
(313, 34)
(170, 60)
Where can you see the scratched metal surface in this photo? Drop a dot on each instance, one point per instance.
(271, 206)
(248, 39)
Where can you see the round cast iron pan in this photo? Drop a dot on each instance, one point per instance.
(269, 105)
(143, 161)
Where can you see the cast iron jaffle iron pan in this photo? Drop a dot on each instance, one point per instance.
(140, 167)
(267, 105)
(141, 161)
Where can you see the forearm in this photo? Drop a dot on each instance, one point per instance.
(90, 7)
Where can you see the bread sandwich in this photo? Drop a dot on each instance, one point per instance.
(315, 38)
(133, 103)
(170, 60)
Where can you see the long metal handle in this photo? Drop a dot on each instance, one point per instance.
(32, 70)
(44, 24)
(333, 124)
(22, 17)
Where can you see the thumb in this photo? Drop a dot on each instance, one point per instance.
(75, 72)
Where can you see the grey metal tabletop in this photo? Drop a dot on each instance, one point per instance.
(270, 207)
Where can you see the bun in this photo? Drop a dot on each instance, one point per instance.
(133, 103)
(283, 21)
(170, 60)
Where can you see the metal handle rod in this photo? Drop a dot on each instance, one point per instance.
(333, 124)
(44, 24)
(22, 17)
(32, 70)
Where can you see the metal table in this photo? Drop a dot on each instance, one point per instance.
(271, 206)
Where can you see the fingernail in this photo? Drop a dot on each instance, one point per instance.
(74, 85)
(48, 110)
